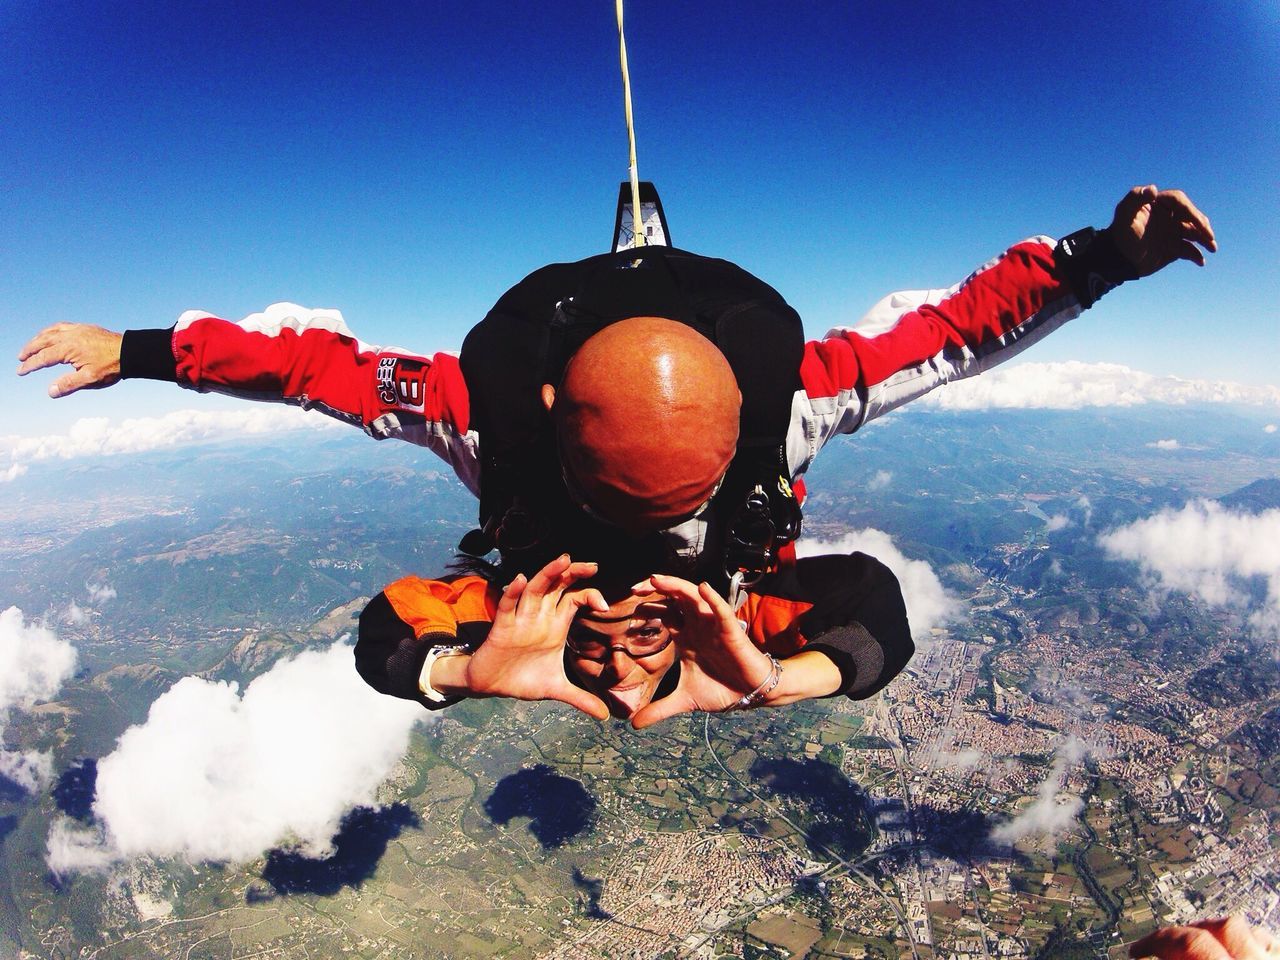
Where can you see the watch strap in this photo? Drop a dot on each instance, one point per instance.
(424, 678)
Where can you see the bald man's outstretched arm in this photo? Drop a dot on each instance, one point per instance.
(911, 343)
(286, 354)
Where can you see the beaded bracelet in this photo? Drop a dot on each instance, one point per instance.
(765, 688)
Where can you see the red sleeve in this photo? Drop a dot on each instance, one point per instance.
(913, 342)
(306, 357)
(975, 316)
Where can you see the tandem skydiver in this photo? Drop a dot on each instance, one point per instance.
(649, 402)
(590, 635)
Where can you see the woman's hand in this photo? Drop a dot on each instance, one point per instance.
(720, 664)
(523, 656)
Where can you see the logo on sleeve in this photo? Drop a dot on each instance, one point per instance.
(400, 382)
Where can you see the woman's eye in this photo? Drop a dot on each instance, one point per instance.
(649, 630)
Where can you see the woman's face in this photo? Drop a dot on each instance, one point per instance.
(622, 654)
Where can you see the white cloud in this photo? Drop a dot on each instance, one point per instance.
(30, 769)
(1059, 685)
(1057, 522)
(880, 481)
(928, 602)
(75, 849)
(75, 614)
(1269, 428)
(34, 662)
(216, 775)
(958, 761)
(99, 436)
(1209, 552)
(1086, 506)
(1164, 445)
(1052, 812)
(1073, 385)
(99, 592)
(14, 471)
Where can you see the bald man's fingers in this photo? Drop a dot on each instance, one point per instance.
(1189, 251)
(82, 379)
(1133, 201)
(42, 340)
(37, 359)
(1179, 205)
(93, 351)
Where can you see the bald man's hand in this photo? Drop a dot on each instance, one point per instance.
(94, 352)
(1226, 938)
(1153, 227)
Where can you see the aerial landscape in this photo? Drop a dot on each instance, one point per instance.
(1083, 747)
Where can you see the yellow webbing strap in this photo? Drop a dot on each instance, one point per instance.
(637, 223)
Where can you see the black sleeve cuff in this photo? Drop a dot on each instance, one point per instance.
(859, 620)
(842, 658)
(389, 657)
(1092, 264)
(148, 355)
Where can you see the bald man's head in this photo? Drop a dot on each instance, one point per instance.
(647, 421)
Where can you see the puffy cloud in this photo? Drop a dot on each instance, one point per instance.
(30, 769)
(73, 849)
(928, 603)
(217, 775)
(1086, 507)
(34, 662)
(1269, 428)
(965, 759)
(1059, 686)
(956, 761)
(78, 616)
(99, 436)
(1052, 812)
(944, 754)
(1073, 385)
(1210, 553)
(880, 481)
(1164, 445)
(1057, 522)
(14, 471)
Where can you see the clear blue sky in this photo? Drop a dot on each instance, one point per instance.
(405, 163)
